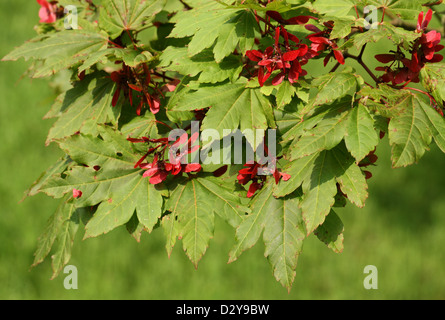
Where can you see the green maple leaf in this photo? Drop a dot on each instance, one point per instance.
(280, 221)
(333, 8)
(137, 194)
(327, 133)
(331, 232)
(59, 233)
(361, 137)
(83, 107)
(398, 36)
(203, 63)
(210, 23)
(404, 9)
(233, 106)
(121, 15)
(193, 204)
(110, 163)
(60, 50)
(411, 133)
(320, 186)
(433, 77)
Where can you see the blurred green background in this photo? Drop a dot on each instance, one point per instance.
(401, 230)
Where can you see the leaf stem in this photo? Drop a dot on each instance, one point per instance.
(360, 61)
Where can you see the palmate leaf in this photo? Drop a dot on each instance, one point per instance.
(137, 194)
(320, 187)
(211, 21)
(333, 8)
(83, 107)
(121, 15)
(109, 180)
(203, 63)
(332, 86)
(129, 56)
(192, 205)
(331, 232)
(411, 133)
(232, 106)
(56, 169)
(398, 36)
(110, 163)
(59, 233)
(60, 50)
(433, 77)
(280, 221)
(327, 133)
(361, 137)
(404, 9)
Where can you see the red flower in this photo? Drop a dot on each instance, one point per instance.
(294, 20)
(155, 170)
(77, 193)
(422, 24)
(321, 42)
(250, 173)
(273, 58)
(47, 12)
(159, 169)
(423, 50)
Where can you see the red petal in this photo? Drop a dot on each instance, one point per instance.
(368, 175)
(155, 105)
(278, 79)
(326, 59)
(192, 167)
(263, 77)
(436, 58)
(158, 177)
(276, 16)
(277, 176)
(339, 56)
(219, 172)
(291, 55)
(319, 40)
(115, 76)
(265, 62)
(419, 20)
(132, 86)
(151, 171)
(311, 27)
(268, 52)
(254, 55)
(298, 20)
(277, 36)
(438, 48)
(243, 179)
(428, 17)
(285, 176)
(116, 96)
(77, 193)
(385, 58)
(252, 189)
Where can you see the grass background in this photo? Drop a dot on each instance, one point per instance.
(401, 230)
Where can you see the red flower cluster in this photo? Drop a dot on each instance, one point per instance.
(285, 57)
(290, 55)
(159, 169)
(423, 50)
(48, 11)
(320, 42)
(128, 79)
(251, 174)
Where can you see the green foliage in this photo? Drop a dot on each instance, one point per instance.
(232, 67)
